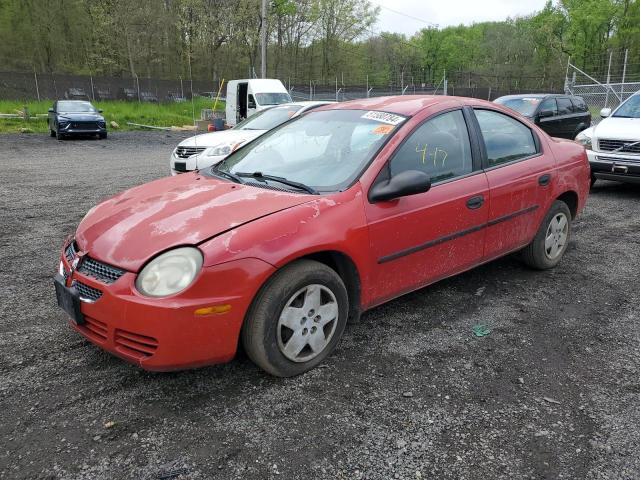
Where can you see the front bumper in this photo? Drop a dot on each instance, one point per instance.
(179, 165)
(80, 128)
(612, 166)
(165, 334)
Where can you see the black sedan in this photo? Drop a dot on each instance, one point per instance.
(75, 117)
(563, 116)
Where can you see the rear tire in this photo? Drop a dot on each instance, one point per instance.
(551, 241)
(296, 319)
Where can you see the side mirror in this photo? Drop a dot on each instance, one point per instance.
(605, 112)
(409, 182)
(545, 114)
(251, 104)
(99, 110)
(51, 110)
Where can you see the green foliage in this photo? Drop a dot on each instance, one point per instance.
(157, 114)
(309, 40)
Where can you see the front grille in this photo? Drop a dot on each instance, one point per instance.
(84, 125)
(134, 344)
(100, 271)
(621, 146)
(70, 252)
(95, 328)
(618, 160)
(87, 293)
(186, 152)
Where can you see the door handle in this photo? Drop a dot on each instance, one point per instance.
(475, 202)
(544, 180)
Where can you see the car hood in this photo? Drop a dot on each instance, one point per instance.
(137, 224)
(217, 138)
(84, 116)
(618, 129)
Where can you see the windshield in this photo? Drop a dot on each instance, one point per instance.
(524, 106)
(629, 109)
(268, 119)
(326, 150)
(273, 98)
(75, 107)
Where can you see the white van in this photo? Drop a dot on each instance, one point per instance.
(248, 96)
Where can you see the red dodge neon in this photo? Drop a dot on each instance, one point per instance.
(311, 224)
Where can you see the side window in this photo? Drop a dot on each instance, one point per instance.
(579, 104)
(439, 147)
(549, 105)
(565, 107)
(505, 138)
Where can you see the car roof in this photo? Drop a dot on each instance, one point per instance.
(536, 95)
(406, 105)
(306, 103)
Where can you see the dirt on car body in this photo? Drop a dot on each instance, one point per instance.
(552, 391)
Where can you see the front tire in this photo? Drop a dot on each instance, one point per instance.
(59, 134)
(52, 133)
(297, 319)
(102, 136)
(551, 241)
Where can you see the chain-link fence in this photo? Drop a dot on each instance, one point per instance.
(37, 86)
(608, 86)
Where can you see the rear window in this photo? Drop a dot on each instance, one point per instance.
(270, 118)
(524, 106)
(565, 107)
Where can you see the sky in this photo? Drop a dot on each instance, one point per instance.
(447, 12)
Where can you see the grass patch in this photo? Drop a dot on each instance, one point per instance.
(156, 114)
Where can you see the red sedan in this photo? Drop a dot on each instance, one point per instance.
(324, 217)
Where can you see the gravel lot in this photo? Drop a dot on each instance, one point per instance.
(552, 392)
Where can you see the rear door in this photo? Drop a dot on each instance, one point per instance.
(569, 120)
(519, 174)
(549, 120)
(418, 239)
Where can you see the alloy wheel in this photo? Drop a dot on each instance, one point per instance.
(307, 323)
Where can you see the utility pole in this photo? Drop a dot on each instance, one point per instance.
(263, 39)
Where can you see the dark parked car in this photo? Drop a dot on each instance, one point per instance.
(75, 117)
(559, 115)
(148, 97)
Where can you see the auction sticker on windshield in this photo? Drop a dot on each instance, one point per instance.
(384, 117)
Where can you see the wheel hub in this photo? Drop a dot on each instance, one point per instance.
(307, 323)
(556, 236)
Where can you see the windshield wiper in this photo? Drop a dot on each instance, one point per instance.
(222, 173)
(283, 180)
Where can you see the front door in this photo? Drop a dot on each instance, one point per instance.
(418, 239)
(518, 172)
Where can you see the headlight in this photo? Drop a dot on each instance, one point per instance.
(221, 150)
(170, 272)
(584, 139)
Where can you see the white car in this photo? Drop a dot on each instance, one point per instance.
(202, 151)
(613, 146)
